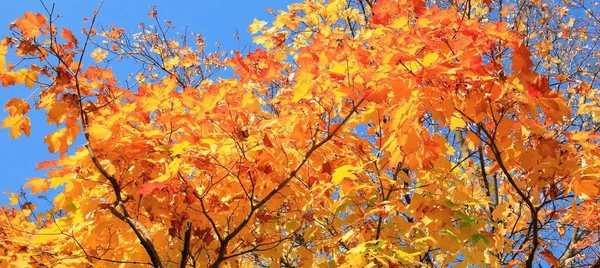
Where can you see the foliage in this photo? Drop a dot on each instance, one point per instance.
(361, 134)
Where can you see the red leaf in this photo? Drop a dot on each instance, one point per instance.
(326, 168)
(538, 87)
(46, 164)
(149, 187)
(263, 216)
(267, 141)
(311, 181)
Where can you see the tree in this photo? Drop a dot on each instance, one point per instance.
(381, 133)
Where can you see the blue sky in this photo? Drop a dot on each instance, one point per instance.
(216, 20)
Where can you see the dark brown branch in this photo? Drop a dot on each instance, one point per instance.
(532, 208)
(186, 244)
(140, 231)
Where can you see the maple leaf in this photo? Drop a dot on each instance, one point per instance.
(99, 54)
(521, 59)
(549, 257)
(67, 35)
(429, 59)
(345, 171)
(256, 26)
(37, 185)
(539, 87)
(149, 187)
(27, 77)
(18, 124)
(16, 107)
(31, 25)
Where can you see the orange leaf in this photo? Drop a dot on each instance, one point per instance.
(149, 187)
(7, 79)
(60, 140)
(67, 35)
(377, 95)
(31, 25)
(521, 62)
(37, 185)
(16, 107)
(549, 257)
(18, 124)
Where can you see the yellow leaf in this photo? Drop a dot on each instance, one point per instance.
(339, 68)
(27, 77)
(456, 122)
(13, 199)
(3, 48)
(57, 181)
(171, 63)
(2, 62)
(399, 23)
(426, 220)
(429, 59)
(412, 66)
(174, 166)
(304, 83)
(99, 132)
(347, 235)
(37, 185)
(256, 26)
(162, 178)
(99, 54)
(179, 148)
(425, 240)
(18, 124)
(343, 172)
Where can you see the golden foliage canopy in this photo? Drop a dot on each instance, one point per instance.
(361, 134)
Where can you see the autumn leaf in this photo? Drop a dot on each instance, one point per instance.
(16, 107)
(149, 187)
(18, 124)
(521, 61)
(27, 77)
(343, 172)
(31, 25)
(549, 257)
(37, 185)
(429, 59)
(456, 122)
(99, 54)
(256, 26)
(67, 35)
(311, 181)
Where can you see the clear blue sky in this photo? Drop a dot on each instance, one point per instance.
(216, 20)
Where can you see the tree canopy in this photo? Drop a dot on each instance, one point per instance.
(359, 133)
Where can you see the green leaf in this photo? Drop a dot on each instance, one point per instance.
(480, 237)
(466, 220)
